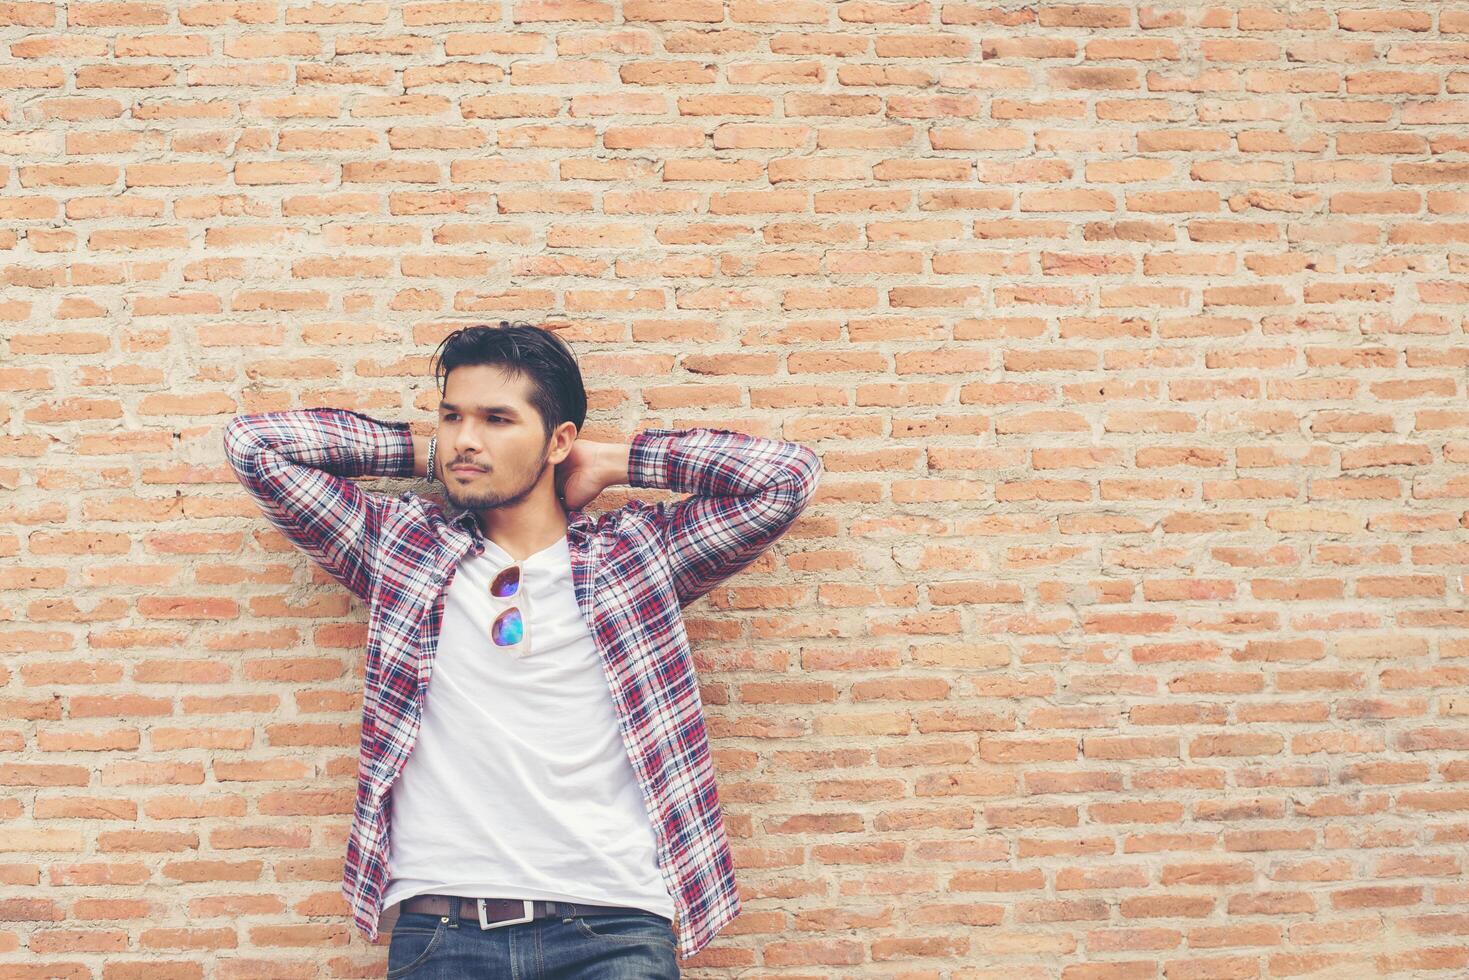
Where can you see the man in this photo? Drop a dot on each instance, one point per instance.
(535, 785)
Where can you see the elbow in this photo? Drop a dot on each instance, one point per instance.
(795, 493)
(241, 445)
(809, 471)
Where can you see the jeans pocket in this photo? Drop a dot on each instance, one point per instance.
(412, 943)
(631, 927)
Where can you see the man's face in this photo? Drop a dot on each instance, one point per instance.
(487, 425)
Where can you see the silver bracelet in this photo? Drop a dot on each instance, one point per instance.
(433, 442)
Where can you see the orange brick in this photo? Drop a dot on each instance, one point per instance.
(1131, 337)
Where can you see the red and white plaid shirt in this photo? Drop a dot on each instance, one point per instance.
(633, 570)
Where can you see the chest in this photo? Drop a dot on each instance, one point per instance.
(609, 576)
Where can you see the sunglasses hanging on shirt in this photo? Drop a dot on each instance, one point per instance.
(510, 630)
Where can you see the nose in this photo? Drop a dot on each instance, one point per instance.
(466, 446)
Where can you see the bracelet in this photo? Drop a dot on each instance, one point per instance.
(432, 444)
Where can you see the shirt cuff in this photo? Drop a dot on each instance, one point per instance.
(648, 458)
(400, 449)
(391, 442)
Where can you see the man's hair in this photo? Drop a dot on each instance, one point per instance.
(522, 350)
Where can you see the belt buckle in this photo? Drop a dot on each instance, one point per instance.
(527, 905)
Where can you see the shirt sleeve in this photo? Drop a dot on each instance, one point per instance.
(295, 464)
(747, 492)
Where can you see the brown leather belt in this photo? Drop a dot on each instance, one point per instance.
(492, 913)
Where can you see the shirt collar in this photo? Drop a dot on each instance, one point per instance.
(577, 521)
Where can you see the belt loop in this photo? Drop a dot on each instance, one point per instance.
(454, 901)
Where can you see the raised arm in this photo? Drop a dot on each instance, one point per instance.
(295, 465)
(747, 491)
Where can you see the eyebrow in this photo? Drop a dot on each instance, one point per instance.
(502, 409)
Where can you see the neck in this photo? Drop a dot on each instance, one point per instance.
(524, 530)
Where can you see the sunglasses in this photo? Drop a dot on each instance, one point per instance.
(510, 630)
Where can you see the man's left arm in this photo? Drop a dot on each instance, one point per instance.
(746, 492)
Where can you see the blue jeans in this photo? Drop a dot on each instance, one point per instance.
(635, 945)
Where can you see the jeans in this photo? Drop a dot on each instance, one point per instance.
(636, 945)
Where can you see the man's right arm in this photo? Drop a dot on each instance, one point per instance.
(295, 464)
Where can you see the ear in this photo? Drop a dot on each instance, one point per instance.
(565, 431)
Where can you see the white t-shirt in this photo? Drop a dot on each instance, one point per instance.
(519, 785)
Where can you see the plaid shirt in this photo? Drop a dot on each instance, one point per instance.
(633, 569)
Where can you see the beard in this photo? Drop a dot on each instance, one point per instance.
(491, 498)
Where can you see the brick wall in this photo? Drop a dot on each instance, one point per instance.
(1126, 637)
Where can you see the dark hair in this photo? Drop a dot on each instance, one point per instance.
(522, 350)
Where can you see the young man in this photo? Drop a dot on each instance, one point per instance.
(535, 784)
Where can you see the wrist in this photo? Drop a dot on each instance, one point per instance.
(614, 463)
